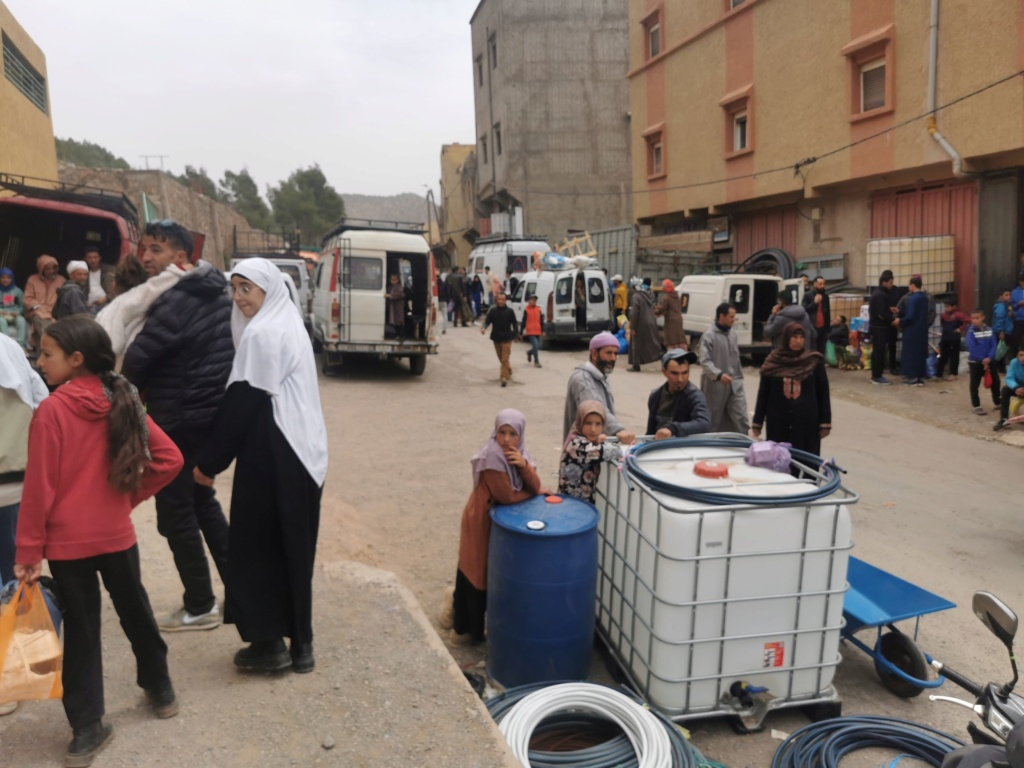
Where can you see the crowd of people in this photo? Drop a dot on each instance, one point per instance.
(908, 320)
(167, 379)
(793, 400)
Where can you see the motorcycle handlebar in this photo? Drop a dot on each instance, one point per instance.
(968, 685)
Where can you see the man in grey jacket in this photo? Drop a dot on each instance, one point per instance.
(784, 313)
(722, 382)
(590, 382)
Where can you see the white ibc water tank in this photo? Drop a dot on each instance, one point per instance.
(694, 597)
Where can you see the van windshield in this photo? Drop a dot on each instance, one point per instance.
(519, 263)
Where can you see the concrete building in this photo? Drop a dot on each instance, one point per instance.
(782, 123)
(552, 121)
(458, 201)
(26, 128)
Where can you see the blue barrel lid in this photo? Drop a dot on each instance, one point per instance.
(539, 517)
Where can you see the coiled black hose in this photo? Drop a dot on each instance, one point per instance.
(616, 752)
(829, 471)
(824, 744)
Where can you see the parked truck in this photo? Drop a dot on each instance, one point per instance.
(39, 216)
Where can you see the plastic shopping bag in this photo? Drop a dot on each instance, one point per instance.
(30, 651)
(830, 355)
(1001, 350)
(988, 379)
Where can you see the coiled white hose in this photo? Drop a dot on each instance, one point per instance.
(644, 731)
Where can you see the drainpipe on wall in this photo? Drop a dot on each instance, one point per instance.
(933, 130)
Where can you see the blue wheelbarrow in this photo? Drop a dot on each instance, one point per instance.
(878, 599)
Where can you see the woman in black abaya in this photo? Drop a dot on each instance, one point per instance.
(793, 395)
(270, 423)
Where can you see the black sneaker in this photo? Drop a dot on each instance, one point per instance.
(302, 657)
(1001, 424)
(264, 656)
(163, 701)
(89, 740)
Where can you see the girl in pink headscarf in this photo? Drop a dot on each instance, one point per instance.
(503, 473)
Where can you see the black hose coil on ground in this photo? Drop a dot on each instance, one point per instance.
(826, 743)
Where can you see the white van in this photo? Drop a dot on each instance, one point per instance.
(753, 296)
(502, 253)
(350, 286)
(556, 292)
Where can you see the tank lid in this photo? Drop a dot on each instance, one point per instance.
(538, 516)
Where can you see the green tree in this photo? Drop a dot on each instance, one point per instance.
(89, 155)
(240, 191)
(306, 201)
(198, 180)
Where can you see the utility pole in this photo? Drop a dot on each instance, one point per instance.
(159, 157)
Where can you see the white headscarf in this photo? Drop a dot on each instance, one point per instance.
(273, 353)
(76, 265)
(17, 375)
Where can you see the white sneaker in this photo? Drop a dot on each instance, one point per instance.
(183, 621)
(8, 708)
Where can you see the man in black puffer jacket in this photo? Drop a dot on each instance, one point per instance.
(180, 362)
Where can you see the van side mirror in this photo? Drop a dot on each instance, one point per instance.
(996, 615)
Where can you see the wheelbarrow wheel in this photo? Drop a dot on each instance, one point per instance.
(903, 653)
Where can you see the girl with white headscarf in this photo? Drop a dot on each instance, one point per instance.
(503, 473)
(271, 424)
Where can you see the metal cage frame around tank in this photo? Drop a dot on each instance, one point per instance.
(618, 576)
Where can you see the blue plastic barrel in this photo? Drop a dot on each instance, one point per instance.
(541, 591)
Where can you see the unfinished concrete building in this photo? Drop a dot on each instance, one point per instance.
(552, 113)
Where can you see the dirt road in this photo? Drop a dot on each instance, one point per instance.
(937, 507)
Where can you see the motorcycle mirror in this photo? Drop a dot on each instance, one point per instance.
(996, 615)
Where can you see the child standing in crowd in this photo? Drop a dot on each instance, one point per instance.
(12, 307)
(503, 473)
(76, 512)
(954, 323)
(1014, 387)
(981, 352)
(585, 448)
(1002, 326)
(532, 328)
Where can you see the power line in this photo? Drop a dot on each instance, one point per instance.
(795, 168)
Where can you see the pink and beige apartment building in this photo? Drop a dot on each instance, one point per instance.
(816, 125)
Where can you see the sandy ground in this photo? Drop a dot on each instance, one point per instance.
(937, 507)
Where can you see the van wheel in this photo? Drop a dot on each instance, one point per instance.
(417, 364)
(317, 346)
(545, 342)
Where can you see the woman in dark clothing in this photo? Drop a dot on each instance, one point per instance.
(476, 295)
(645, 341)
(793, 395)
(271, 424)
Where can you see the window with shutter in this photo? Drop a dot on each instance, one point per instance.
(872, 85)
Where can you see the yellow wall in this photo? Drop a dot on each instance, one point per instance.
(457, 195)
(26, 132)
(801, 97)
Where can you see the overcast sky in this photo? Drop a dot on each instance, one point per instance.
(369, 89)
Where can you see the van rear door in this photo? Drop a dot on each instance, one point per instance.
(362, 297)
(740, 293)
(564, 308)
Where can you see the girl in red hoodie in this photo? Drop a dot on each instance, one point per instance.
(93, 455)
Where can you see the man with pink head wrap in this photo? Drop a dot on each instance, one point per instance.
(589, 381)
